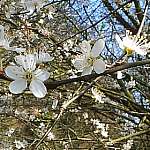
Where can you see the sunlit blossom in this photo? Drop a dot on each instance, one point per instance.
(51, 12)
(97, 95)
(101, 127)
(10, 132)
(21, 144)
(5, 42)
(130, 84)
(89, 59)
(31, 5)
(24, 73)
(128, 145)
(50, 136)
(120, 75)
(131, 44)
(42, 125)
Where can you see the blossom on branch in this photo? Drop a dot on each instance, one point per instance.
(89, 59)
(31, 5)
(131, 44)
(26, 72)
(4, 42)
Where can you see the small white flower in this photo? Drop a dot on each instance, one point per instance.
(20, 144)
(51, 11)
(85, 115)
(25, 74)
(10, 132)
(32, 117)
(131, 44)
(104, 133)
(4, 42)
(42, 125)
(89, 59)
(50, 136)
(17, 112)
(98, 95)
(128, 145)
(131, 84)
(100, 127)
(31, 5)
(119, 75)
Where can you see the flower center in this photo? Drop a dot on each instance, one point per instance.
(90, 61)
(29, 75)
(128, 50)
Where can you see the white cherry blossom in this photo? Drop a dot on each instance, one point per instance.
(21, 144)
(50, 136)
(89, 59)
(4, 42)
(128, 145)
(131, 44)
(24, 73)
(31, 5)
(10, 132)
(99, 96)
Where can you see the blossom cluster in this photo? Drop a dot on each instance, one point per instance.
(28, 7)
(27, 73)
(26, 69)
(100, 127)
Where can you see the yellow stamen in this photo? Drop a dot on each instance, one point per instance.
(28, 76)
(128, 50)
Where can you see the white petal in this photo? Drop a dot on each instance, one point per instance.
(18, 50)
(19, 59)
(1, 33)
(43, 57)
(29, 6)
(129, 43)
(4, 43)
(85, 47)
(54, 103)
(47, 57)
(41, 74)
(38, 88)
(98, 47)
(14, 72)
(28, 62)
(79, 63)
(87, 70)
(119, 75)
(120, 42)
(18, 86)
(141, 50)
(99, 66)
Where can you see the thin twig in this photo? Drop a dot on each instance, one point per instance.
(63, 108)
(143, 20)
